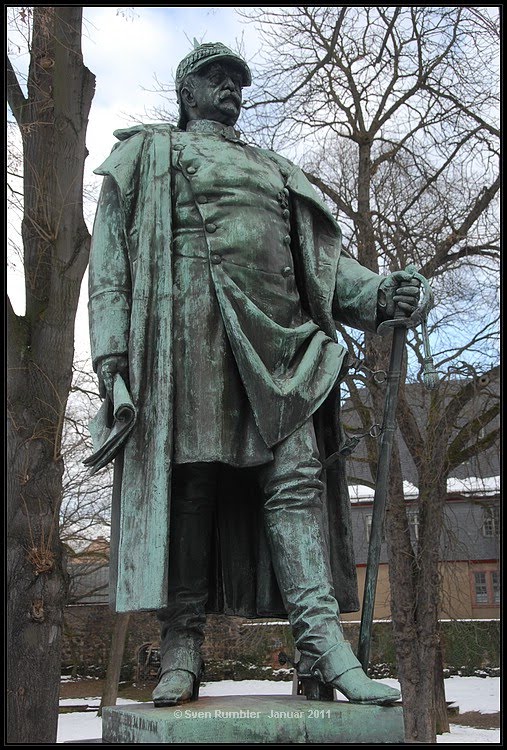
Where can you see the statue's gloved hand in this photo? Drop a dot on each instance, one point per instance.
(398, 291)
(107, 369)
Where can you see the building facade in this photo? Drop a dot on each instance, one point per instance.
(470, 549)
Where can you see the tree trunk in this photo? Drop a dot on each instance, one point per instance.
(52, 121)
(415, 588)
(442, 717)
(366, 250)
(403, 592)
(114, 664)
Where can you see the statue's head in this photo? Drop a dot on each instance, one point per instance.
(201, 78)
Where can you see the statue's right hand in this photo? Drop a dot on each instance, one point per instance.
(107, 369)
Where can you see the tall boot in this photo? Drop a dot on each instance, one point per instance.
(292, 519)
(182, 621)
(327, 660)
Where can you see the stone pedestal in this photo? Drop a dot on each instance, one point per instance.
(263, 719)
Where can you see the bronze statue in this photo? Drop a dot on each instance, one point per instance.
(216, 275)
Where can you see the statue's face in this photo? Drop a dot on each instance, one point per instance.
(216, 94)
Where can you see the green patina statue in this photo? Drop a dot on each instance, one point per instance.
(216, 278)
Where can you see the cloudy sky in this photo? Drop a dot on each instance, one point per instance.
(128, 49)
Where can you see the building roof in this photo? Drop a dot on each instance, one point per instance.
(480, 468)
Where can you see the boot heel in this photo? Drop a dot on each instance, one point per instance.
(197, 684)
(195, 690)
(314, 690)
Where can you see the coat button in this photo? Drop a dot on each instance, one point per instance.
(216, 259)
(286, 239)
(287, 271)
(191, 170)
(210, 227)
(201, 199)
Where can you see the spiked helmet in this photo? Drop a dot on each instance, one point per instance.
(202, 55)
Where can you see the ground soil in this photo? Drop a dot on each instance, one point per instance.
(476, 719)
(90, 688)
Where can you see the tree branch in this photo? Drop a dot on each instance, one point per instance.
(320, 64)
(434, 177)
(333, 194)
(465, 394)
(460, 457)
(481, 203)
(466, 110)
(388, 33)
(472, 429)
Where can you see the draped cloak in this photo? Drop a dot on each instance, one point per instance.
(130, 308)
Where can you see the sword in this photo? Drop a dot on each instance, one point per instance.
(400, 323)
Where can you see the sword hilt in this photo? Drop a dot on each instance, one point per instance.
(401, 320)
(419, 316)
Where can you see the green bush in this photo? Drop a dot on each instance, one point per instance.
(471, 644)
(469, 647)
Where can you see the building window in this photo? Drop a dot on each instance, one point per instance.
(367, 523)
(481, 588)
(487, 587)
(495, 586)
(490, 521)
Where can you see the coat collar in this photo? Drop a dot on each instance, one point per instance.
(211, 127)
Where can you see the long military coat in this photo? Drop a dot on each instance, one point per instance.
(130, 307)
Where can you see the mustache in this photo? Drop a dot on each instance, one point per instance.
(230, 94)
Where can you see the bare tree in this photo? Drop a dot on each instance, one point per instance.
(85, 518)
(52, 118)
(393, 113)
(85, 511)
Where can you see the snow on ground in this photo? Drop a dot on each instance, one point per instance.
(469, 736)
(474, 693)
(470, 693)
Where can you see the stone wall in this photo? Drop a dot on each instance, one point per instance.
(87, 638)
(231, 645)
(236, 648)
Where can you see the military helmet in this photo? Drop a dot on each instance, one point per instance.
(202, 55)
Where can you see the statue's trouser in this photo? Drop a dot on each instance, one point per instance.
(293, 494)
(182, 621)
(293, 517)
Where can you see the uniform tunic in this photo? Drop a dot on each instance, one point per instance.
(236, 223)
